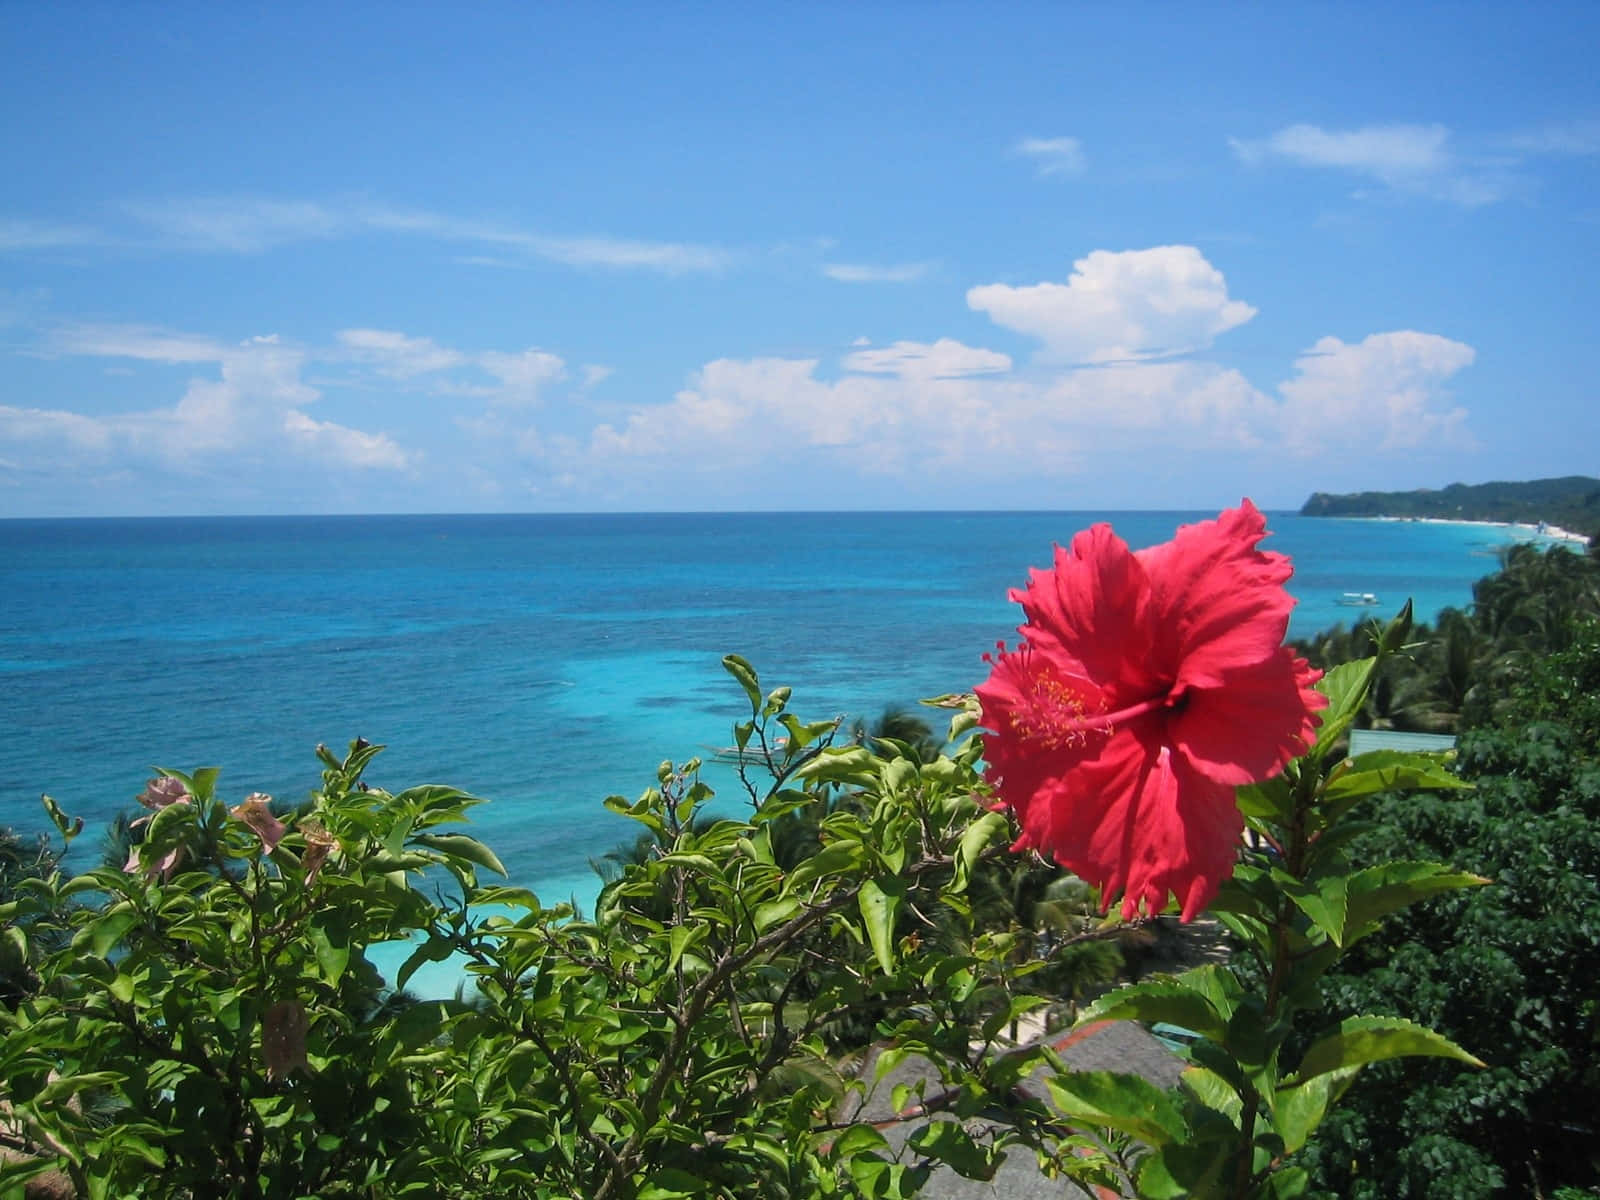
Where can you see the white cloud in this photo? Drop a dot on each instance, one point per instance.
(1574, 138)
(1054, 156)
(1386, 391)
(144, 342)
(251, 224)
(1135, 304)
(24, 234)
(522, 375)
(346, 446)
(251, 408)
(240, 224)
(1386, 151)
(396, 355)
(1414, 159)
(519, 376)
(943, 359)
(865, 273)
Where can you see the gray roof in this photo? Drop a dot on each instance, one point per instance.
(1102, 1046)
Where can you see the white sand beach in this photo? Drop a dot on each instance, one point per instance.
(1552, 533)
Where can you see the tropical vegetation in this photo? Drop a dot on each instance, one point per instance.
(199, 1014)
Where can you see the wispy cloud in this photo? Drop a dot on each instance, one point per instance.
(24, 234)
(1414, 159)
(943, 359)
(253, 224)
(1054, 156)
(1571, 138)
(870, 273)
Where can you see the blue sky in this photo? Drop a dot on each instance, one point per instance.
(414, 258)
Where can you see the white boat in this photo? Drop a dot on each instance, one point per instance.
(1359, 599)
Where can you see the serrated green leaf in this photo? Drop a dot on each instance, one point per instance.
(1363, 1040)
(1325, 904)
(1388, 887)
(1345, 687)
(1389, 771)
(1175, 1001)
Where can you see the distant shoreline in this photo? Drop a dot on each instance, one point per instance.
(1551, 532)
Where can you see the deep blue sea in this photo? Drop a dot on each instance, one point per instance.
(542, 662)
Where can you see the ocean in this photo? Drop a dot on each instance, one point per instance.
(541, 662)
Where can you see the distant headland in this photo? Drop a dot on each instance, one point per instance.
(1571, 502)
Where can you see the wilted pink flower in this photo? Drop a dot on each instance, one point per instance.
(162, 791)
(256, 812)
(319, 844)
(162, 868)
(283, 1038)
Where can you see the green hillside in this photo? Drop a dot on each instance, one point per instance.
(1572, 502)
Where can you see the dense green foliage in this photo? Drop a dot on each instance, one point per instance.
(1465, 668)
(1572, 502)
(203, 1017)
(1509, 969)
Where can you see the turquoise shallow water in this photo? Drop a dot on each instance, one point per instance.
(542, 662)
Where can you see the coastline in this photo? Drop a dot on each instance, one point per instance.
(1553, 533)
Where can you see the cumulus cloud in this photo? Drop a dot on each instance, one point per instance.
(865, 273)
(250, 407)
(1054, 156)
(1128, 305)
(943, 359)
(349, 447)
(1386, 391)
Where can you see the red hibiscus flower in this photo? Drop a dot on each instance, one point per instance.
(1147, 687)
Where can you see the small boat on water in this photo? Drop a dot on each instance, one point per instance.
(1359, 599)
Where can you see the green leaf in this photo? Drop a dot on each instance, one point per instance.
(1271, 801)
(853, 765)
(1175, 1001)
(332, 947)
(459, 845)
(69, 827)
(1345, 687)
(1297, 1109)
(952, 1145)
(204, 783)
(1326, 903)
(746, 675)
(680, 939)
(1126, 1102)
(1390, 771)
(1388, 887)
(432, 950)
(1363, 1040)
(880, 909)
(975, 839)
(106, 930)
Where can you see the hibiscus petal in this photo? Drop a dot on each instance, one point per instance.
(1136, 820)
(1091, 608)
(1247, 729)
(1218, 601)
